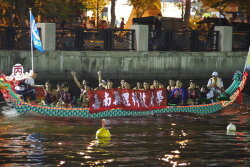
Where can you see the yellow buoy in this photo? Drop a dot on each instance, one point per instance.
(103, 132)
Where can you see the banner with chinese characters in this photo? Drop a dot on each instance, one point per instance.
(128, 99)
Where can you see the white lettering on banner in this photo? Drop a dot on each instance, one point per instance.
(97, 103)
(159, 97)
(125, 97)
(152, 99)
(135, 99)
(107, 100)
(143, 99)
(117, 98)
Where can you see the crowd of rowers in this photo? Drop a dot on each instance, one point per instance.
(62, 96)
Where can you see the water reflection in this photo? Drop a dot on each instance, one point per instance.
(168, 140)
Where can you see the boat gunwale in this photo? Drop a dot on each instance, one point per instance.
(221, 104)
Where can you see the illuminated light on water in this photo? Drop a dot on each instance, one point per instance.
(176, 152)
(110, 160)
(174, 163)
(87, 157)
(167, 157)
(98, 162)
(173, 124)
(183, 133)
(172, 133)
(61, 163)
(183, 164)
(59, 143)
(183, 142)
(81, 153)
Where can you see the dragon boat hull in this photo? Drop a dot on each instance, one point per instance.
(234, 91)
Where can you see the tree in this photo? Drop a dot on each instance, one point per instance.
(187, 13)
(96, 6)
(113, 16)
(221, 5)
(62, 9)
(14, 11)
(141, 6)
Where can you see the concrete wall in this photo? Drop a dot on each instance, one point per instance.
(56, 65)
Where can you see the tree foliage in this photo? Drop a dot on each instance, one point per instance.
(221, 5)
(60, 9)
(95, 5)
(141, 6)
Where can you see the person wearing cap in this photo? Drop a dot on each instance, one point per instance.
(215, 84)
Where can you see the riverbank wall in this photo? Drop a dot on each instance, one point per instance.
(130, 65)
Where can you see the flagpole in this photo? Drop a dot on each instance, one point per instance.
(248, 57)
(31, 45)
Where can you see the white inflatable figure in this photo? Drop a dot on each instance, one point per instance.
(231, 127)
(18, 73)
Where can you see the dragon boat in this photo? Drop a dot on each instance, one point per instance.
(233, 91)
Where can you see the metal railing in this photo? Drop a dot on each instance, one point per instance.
(18, 38)
(80, 39)
(165, 40)
(94, 39)
(241, 40)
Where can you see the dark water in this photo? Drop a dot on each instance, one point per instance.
(169, 140)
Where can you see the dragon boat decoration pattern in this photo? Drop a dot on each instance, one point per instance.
(7, 89)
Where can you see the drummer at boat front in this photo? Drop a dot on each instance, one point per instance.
(215, 84)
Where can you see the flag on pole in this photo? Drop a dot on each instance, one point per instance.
(247, 64)
(35, 38)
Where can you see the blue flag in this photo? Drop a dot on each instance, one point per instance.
(35, 38)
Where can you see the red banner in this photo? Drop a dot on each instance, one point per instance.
(135, 100)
